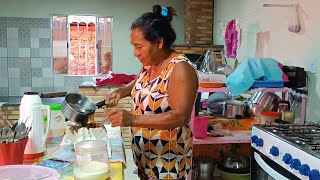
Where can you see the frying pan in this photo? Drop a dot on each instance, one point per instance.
(78, 108)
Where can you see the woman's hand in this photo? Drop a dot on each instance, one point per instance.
(120, 117)
(112, 99)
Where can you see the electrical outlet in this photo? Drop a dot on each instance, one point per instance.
(313, 66)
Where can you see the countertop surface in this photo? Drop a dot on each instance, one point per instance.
(92, 84)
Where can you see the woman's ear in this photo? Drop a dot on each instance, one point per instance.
(160, 43)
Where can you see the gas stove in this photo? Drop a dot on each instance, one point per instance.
(294, 147)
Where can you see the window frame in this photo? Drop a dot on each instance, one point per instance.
(97, 17)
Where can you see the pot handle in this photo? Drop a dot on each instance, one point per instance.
(101, 103)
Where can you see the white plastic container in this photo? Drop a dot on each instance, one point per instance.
(57, 124)
(91, 160)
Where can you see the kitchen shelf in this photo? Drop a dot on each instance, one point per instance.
(225, 89)
(240, 136)
(243, 136)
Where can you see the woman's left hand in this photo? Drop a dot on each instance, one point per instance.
(120, 117)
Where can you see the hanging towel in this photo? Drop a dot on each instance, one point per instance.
(253, 69)
(232, 38)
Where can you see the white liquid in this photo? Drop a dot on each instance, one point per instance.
(94, 170)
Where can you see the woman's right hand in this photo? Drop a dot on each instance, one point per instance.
(113, 98)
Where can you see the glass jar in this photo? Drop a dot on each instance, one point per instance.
(91, 160)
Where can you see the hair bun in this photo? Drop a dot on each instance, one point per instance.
(156, 9)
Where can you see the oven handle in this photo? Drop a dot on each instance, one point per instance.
(267, 168)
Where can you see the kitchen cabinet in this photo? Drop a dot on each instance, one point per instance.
(242, 136)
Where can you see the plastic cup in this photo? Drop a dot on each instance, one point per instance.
(200, 127)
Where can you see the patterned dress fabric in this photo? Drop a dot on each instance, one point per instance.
(160, 154)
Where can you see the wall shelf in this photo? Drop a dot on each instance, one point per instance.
(241, 136)
(225, 89)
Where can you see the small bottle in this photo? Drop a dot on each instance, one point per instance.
(91, 160)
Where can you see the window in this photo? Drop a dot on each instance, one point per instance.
(82, 45)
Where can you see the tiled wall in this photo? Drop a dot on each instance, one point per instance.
(25, 58)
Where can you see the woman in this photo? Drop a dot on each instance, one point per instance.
(163, 97)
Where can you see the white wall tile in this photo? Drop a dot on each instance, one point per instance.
(3, 52)
(47, 72)
(47, 81)
(12, 33)
(24, 52)
(34, 33)
(25, 89)
(36, 62)
(34, 42)
(37, 82)
(14, 72)
(45, 52)
(44, 33)
(58, 81)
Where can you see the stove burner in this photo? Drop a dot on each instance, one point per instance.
(306, 135)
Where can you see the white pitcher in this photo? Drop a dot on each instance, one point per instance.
(31, 113)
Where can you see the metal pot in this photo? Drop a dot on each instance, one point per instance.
(223, 69)
(267, 100)
(203, 169)
(78, 108)
(235, 164)
(233, 109)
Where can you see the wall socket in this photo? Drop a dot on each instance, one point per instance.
(313, 66)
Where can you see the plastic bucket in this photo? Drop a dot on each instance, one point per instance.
(200, 127)
(12, 153)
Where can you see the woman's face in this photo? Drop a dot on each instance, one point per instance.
(144, 50)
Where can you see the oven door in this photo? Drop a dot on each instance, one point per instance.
(263, 168)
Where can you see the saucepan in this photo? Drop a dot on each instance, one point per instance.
(79, 108)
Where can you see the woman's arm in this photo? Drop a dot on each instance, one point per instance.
(113, 98)
(182, 91)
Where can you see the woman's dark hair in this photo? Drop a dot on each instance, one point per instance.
(155, 26)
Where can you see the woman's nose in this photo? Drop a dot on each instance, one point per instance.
(136, 53)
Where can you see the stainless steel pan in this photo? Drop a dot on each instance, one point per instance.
(79, 108)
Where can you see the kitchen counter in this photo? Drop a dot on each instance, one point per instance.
(65, 168)
(90, 84)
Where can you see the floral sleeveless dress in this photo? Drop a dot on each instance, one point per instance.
(160, 154)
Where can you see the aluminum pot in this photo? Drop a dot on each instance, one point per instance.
(267, 100)
(235, 165)
(233, 109)
(78, 108)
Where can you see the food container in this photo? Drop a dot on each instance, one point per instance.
(91, 160)
(268, 116)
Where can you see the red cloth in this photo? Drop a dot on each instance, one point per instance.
(116, 80)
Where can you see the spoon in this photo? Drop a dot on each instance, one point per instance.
(4, 133)
(19, 129)
(13, 127)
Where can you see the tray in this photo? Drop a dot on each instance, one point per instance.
(267, 84)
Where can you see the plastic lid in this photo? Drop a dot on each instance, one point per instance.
(28, 172)
(55, 107)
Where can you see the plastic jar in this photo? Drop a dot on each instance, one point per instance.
(91, 160)
(268, 116)
(57, 123)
